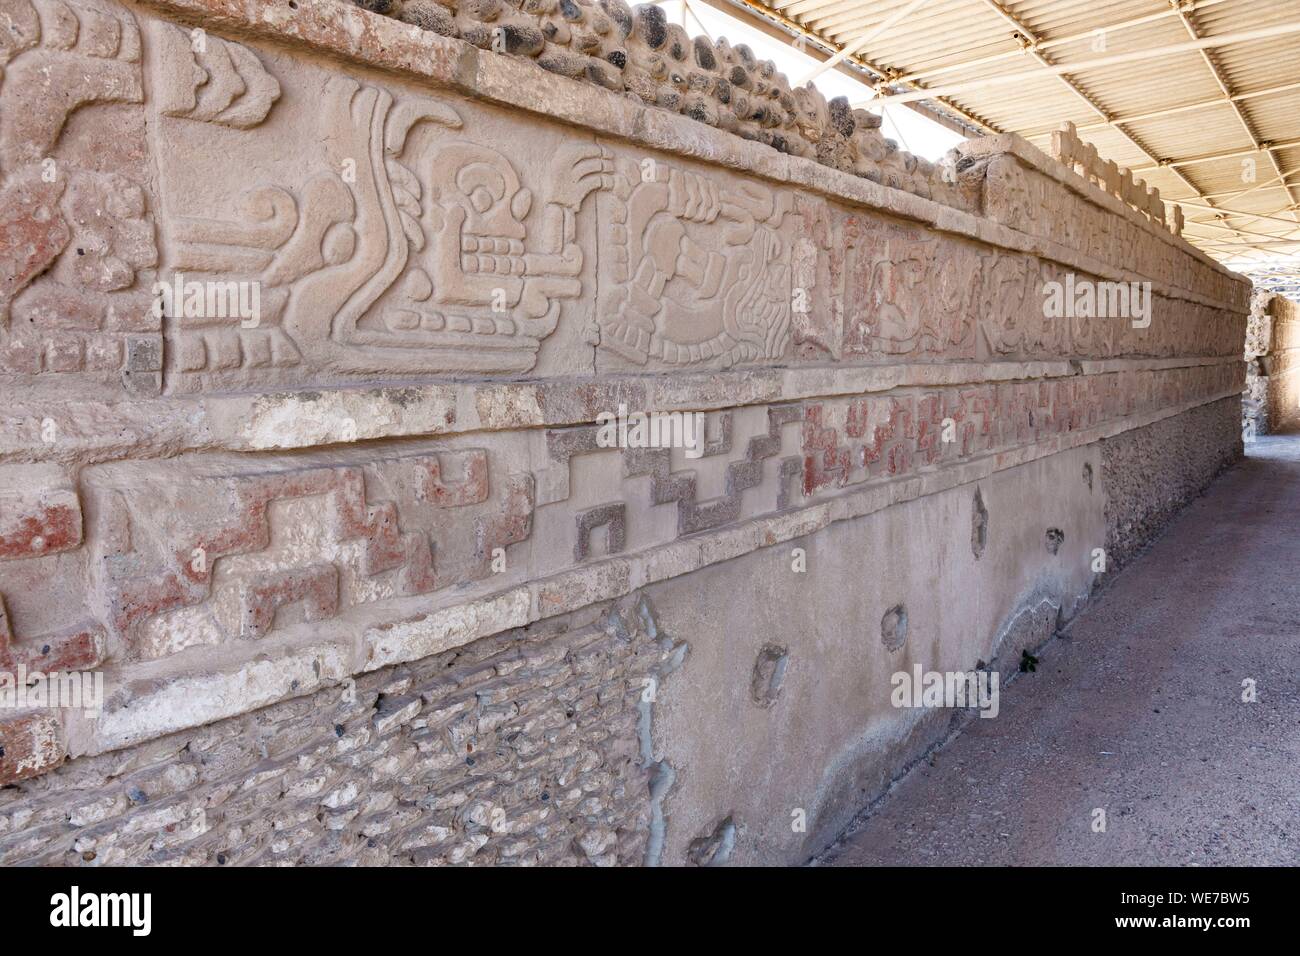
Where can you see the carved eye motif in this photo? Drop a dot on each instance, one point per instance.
(481, 199)
(487, 189)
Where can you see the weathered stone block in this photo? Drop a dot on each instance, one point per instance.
(30, 744)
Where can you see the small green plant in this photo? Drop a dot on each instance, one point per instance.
(1028, 662)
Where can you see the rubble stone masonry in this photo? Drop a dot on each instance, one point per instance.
(1271, 401)
(520, 748)
(309, 312)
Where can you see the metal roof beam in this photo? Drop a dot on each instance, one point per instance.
(1052, 42)
(862, 40)
(1236, 107)
(1190, 107)
(1274, 183)
(1135, 56)
(1211, 157)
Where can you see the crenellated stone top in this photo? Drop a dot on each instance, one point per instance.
(1082, 157)
(637, 51)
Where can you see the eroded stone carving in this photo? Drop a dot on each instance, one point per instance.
(79, 55)
(414, 257)
(41, 534)
(74, 225)
(907, 292)
(668, 486)
(848, 442)
(1021, 194)
(225, 553)
(213, 80)
(74, 649)
(696, 271)
(399, 233)
(611, 517)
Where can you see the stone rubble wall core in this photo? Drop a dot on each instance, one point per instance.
(459, 259)
(635, 50)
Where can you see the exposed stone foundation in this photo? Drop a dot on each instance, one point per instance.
(523, 748)
(1150, 473)
(1255, 417)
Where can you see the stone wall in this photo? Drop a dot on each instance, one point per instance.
(1271, 401)
(308, 316)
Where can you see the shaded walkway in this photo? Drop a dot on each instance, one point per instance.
(1137, 710)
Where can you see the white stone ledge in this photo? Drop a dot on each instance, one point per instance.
(89, 432)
